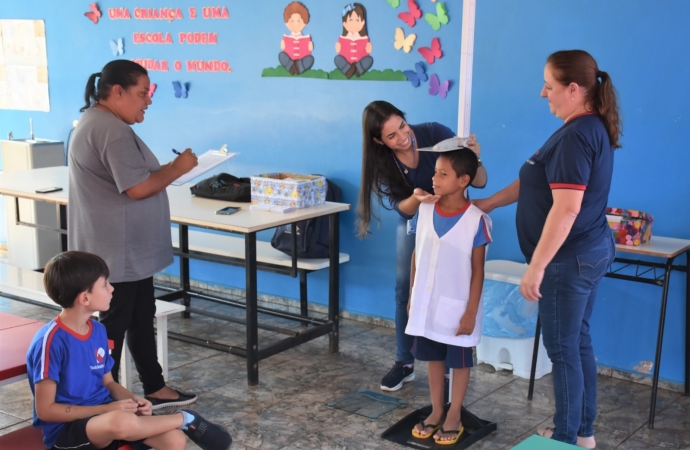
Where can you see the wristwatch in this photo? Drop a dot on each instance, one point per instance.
(479, 161)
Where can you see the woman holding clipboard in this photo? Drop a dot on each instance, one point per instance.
(118, 209)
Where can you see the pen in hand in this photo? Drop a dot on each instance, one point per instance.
(179, 153)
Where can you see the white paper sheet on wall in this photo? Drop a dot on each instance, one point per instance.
(23, 66)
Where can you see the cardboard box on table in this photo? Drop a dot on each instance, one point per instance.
(629, 226)
(288, 189)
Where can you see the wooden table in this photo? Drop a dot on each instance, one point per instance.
(187, 210)
(15, 337)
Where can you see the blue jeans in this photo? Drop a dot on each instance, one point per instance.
(404, 246)
(568, 292)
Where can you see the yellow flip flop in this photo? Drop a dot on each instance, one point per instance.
(434, 429)
(458, 433)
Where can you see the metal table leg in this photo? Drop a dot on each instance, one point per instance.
(334, 280)
(303, 301)
(535, 354)
(183, 231)
(687, 323)
(252, 316)
(659, 341)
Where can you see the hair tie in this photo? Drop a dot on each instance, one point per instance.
(600, 74)
(349, 7)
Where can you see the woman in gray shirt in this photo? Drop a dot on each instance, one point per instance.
(118, 209)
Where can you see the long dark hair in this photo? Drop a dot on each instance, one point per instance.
(360, 10)
(379, 169)
(120, 72)
(579, 67)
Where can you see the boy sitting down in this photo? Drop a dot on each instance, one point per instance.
(77, 403)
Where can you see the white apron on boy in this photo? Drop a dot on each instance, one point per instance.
(441, 288)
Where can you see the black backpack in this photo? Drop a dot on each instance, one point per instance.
(224, 187)
(312, 234)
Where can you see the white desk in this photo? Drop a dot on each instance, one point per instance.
(187, 210)
(646, 272)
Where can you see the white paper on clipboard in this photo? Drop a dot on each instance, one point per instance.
(207, 161)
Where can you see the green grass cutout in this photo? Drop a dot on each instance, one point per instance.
(371, 75)
(336, 74)
(281, 72)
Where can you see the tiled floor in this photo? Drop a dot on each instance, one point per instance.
(287, 410)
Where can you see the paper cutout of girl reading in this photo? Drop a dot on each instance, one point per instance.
(353, 46)
(296, 47)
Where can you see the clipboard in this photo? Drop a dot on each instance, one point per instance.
(207, 161)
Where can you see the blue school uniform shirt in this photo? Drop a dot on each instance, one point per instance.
(77, 364)
(443, 222)
(577, 156)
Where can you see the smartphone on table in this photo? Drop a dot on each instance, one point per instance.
(227, 210)
(48, 190)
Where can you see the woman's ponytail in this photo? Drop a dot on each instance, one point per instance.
(90, 93)
(607, 106)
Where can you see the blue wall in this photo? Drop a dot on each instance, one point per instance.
(308, 125)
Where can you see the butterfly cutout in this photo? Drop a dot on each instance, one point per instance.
(441, 17)
(118, 47)
(436, 87)
(152, 89)
(409, 17)
(94, 14)
(402, 42)
(180, 89)
(418, 75)
(430, 54)
(394, 3)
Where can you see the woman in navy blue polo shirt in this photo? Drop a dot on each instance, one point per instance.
(562, 194)
(392, 169)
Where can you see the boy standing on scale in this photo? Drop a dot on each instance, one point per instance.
(447, 276)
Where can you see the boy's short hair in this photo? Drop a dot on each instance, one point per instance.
(296, 8)
(464, 162)
(70, 273)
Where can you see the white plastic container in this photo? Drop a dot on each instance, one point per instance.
(511, 353)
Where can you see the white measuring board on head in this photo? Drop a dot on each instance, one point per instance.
(466, 57)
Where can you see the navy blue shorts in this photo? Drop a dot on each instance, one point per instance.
(73, 436)
(455, 357)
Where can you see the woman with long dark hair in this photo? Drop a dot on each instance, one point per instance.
(561, 195)
(118, 209)
(392, 170)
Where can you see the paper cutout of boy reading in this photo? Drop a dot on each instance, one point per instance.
(353, 46)
(296, 47)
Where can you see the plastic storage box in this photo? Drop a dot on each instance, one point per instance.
(629, 226)
(288, 189)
